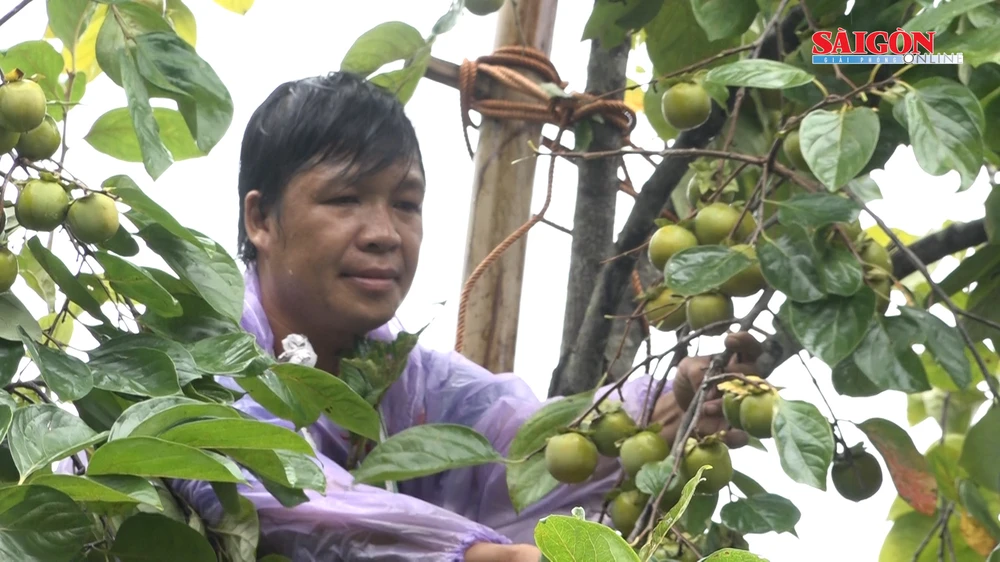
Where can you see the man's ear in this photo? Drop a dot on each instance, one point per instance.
(258, 225)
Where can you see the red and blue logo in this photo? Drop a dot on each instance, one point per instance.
(878, 47)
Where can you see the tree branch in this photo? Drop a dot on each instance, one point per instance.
(597, 192)
(14, 11)
(935, 246)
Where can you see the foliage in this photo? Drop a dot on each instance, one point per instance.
(143, 405)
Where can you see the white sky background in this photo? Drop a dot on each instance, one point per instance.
(290, 39)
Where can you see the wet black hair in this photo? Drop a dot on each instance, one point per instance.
(337, 118)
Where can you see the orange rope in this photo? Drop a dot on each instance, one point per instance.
(562, 111)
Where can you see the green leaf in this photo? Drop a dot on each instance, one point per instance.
(913, 529)
(227, 354)
(285, 468)
(68, 19)
(236, 434)
(155, 458)
(97, 491)
(14, 315)
(610, 21)
(991, 223)
(67, 376)
(841, 272)
(139, 370)
(747, 485)
(815, 210)
(36, 277)
(209, 269)
(946, 125)
(237, 6)
(761, 513)
(981, 451)
(41, 434)
(11, 353)
(125, 19)
(788, 264)
(299, 394)
(833, 327)
(65, 280)
(182, 360)
(130, 194)
(384, 43)
(804, 441)
(724, 18)
(696, 270)
(113, 134)
(150, 537)
(423, 450)
(865, 187)
(135, 283)
(944, 343)
(887, 366)
(937, 18)
(909, 469)
(150, 418)
(653, 475)
(239, 533)
(565, 539)
(675, 40)
(733, 555)
(447, 21)
(759, 73)
(838, 145)
(671, 517)
(529, 481)
(202, 98)
(403, 82)
(978, 46)
(122, 243)
(155, 156)
(39, 524)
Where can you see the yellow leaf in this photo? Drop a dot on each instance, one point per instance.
(634, 98)
(48, 33)
(877, 234)
(62, 333)
(86, 47)
(182, 19)
(238, 6)
(976, 536)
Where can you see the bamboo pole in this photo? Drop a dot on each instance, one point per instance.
(501, 201)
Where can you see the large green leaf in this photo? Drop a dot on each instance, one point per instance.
(236, 434)
(610, 21)
(804, 441)
(789, 264)
(944, 343)
(14, 315)
(36, 277)
(285, 468)
(882, 361)
(529, 481)
(114, 134)
(67, 376)
(68, 19)
(675, 40)
(761, 513)
(701, 268)
(816, 210)
(228, 354)
(981, 451)
(840, 271)
(937, 18)
(183, 362)
(41, 434)
(724, 18)
(911, 530)
(567, 539)
(978, 46)
(151, 537)
(125, 19)
(152, 457)
(384, 43)
(155, 156)
(667, 521)
(40, 524)
(152, 417)
(238, 533)
(65, 280)
(909, 469)
(759, 73)
(833, 327)
(838, 145)
(423, 450)
(130, 194)
(210, 270)
(139, 370)
(135, 283)
(39, 58)
(299, 394)
(946, 125)
(97, 491)
(11, 353)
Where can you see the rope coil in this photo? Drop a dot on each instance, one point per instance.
(506, 66)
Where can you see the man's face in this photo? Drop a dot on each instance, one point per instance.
(343, 255)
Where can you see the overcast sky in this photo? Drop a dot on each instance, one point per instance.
(290, 39)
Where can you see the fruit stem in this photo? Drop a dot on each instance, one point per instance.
(822, 88)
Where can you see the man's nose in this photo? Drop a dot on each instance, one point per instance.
(379, 229)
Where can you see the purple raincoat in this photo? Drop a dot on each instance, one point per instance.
(434, 518)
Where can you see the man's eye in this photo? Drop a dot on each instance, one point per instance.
(409, 207)
(345, 200)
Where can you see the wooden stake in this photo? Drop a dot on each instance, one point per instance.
(501, 201)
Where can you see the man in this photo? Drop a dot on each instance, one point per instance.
(331, 187)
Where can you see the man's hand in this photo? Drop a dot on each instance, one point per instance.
(670, 408)
(490, 552)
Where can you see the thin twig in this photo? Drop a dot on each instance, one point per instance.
(14, 12)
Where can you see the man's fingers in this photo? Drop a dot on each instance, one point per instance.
(712, 407)
(736, 438)
(745, 347)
